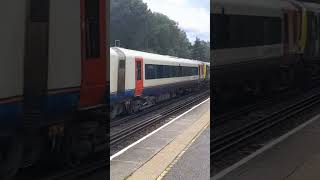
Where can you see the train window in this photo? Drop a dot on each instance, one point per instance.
(188, 71)
(235, 31)
(220, 31)
(241, 35)
(176, 71)
(183, 71)
(92, 28)
(159, 71)
(138, 70)
(150, 71)
(272, 31)
(195, 71)
(166, 71)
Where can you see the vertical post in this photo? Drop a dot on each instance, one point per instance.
(36, 59)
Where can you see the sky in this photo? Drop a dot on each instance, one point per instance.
(193, 16)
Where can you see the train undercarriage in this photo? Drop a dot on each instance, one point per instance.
(136, 104)
(67, 143)
(233, 84)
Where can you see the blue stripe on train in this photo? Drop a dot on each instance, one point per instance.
(9, 113)
(60, 103)
(115, 97)
(53, 104)
(154, 90)
(10, 110)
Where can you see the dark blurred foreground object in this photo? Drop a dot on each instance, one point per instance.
(53, 82)
(262, 47)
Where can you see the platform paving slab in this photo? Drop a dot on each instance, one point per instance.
(195, 162)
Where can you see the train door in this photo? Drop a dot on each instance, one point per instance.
(200, 71)
(93, 40)
(204, 71)
(289, 31)
(139, 76)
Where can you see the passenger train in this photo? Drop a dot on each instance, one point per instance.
(53, 81)
(259, 47)
(139, 80)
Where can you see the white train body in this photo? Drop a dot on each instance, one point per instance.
(64, 53)
(148, 58)
(64, 71)
(141, 75)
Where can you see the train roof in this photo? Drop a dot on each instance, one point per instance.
(315, 7)
(269, 8)
(165, 58)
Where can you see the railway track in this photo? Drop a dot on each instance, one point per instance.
(239, 137)
(241, 109)
(227, 117)
(143, 122)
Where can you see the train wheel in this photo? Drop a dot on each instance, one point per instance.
(135, 107)
(114, 111)
(12, 158)
(79, 141)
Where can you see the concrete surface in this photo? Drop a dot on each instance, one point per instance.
(195, 162)
(149, 158)
(295, 158)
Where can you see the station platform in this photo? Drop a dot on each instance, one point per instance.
(293, 156)
(194, 163)
(159, 154)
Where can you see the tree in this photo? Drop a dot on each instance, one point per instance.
(138, 28)
(201, 50)
(128, 23)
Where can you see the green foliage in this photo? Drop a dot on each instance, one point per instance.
(201, 50)
(138, 28)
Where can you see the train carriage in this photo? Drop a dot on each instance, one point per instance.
(53, 72)
(255, 47)
(139, 80)
(310, 37)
